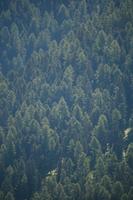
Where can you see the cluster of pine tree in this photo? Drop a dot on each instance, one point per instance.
(66, 100)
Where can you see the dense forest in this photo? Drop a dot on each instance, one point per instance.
(66, 100)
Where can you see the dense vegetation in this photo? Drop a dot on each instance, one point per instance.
(66, 100)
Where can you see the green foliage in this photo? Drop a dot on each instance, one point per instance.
(124, 197)
(9, 196)
(117, 190)
(66, 93)
(129, 155)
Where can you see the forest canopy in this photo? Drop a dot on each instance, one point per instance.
(66, 100)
